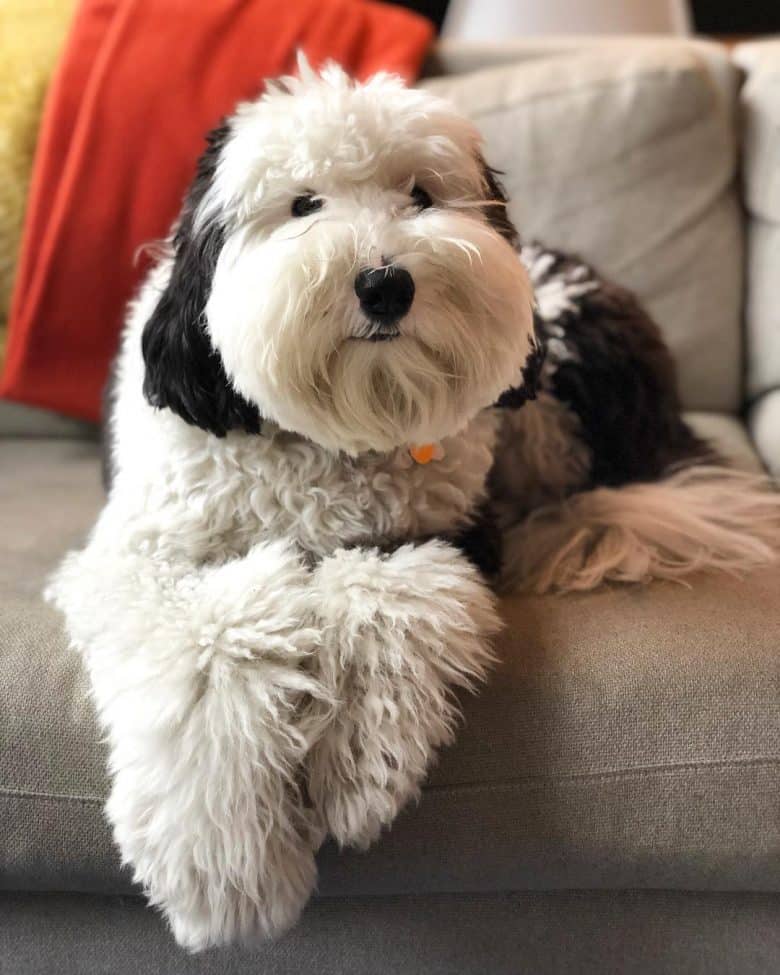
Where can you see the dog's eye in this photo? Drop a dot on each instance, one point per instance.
(302, 206)
(422, 199)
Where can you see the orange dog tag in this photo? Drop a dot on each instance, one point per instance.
(424, 453)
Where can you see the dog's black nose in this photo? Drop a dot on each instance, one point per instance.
(385, 293)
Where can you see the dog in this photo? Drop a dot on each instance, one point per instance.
(340, 393)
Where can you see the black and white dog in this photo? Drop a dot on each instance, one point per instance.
(320, 426)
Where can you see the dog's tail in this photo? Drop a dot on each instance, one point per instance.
(697, 518)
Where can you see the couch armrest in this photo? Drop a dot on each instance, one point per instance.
(760, 110)
(756, 55)
(760, 62)
(764, 423)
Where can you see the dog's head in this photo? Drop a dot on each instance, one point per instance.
(345, 267)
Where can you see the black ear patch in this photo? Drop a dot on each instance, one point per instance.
(497, 215)
(531, 374)
(496, 210)
(184, 372)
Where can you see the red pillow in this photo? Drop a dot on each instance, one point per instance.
(139, 84)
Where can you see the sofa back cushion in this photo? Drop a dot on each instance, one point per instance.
(625, 155)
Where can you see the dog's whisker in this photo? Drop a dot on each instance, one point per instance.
(303, 233)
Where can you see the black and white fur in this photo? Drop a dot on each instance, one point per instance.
(612, 482)
(277, 600)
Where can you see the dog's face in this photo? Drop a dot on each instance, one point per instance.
(344, 267)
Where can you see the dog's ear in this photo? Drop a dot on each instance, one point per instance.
(184, 372)
(496, 208)
(530, 374)
(497, 215)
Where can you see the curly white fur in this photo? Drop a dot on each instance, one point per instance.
(399, 632)
(199, 676)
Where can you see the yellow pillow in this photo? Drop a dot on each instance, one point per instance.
(31, 35)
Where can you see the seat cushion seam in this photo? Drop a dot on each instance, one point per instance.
(645, 771)
(616, 774)
(8, 793)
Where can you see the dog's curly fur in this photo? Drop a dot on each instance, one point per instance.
(277, 600)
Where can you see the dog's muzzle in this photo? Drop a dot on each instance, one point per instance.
(386, 295)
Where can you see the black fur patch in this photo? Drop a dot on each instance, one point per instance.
(496, 211)
(621, 382)
(531, 373)
(481, 543)
(184, 373)
(498, 216)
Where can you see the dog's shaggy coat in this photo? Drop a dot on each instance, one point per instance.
(277, 600)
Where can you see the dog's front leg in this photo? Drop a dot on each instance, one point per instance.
(202, 680)
(400, 630)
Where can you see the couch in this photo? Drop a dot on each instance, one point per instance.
(612, 803)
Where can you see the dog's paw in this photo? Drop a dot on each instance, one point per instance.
(248, 894)
(399, 632)
(209, 700)
(213, 818)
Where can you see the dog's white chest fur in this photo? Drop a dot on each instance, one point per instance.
(290, 488)
(278, 485)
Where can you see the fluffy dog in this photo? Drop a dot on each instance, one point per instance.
(311, 481)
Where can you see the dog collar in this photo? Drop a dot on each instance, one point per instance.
(426, 452)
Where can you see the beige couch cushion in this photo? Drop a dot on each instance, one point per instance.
(627, 157)
(455, 57)
(728, 435)
(18, 420)
(629, 739)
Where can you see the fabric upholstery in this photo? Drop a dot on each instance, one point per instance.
(629, 738)
(626, 156)
(728, 435)
(760, 98)
(762, 309)
(765, 427)
(760, 106)
(17, 420)
(456, 57)
(588, 933)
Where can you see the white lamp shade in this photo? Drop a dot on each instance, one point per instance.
(494, 20)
